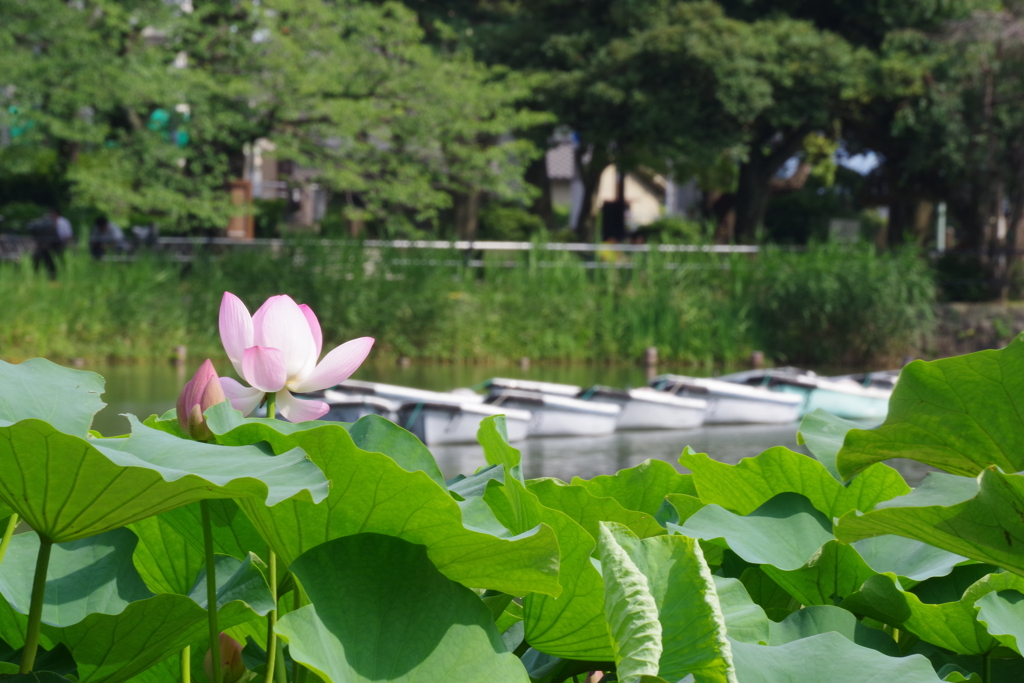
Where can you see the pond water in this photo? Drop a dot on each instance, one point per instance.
(147, 389)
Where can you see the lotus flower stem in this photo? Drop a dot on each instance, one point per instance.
(272, 565)
(6, 541)
(271, 406)
(272, 614)
(186, 664)
(35, 610)
(211, 592)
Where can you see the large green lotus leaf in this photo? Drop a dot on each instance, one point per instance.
(374, 433)
(642, 488)
(236, 580)
(823, 433)
(826, 658)
(171, 549)
(906, 558)
(988, 527)
(371, 492)
(745, 620)
(165, 559)
(476, 483)
(126, 629)
(40, 390)
(1002, 614)
(382, 612)
(958, 414)
(69, 488)
(683, 506)
(662, 608)
(92, 575)
(952, 625)
(572, 624)
(818, 619)
(832, 573)
(112, 649)
(784, 532)
(746, 486)
(370, 433)
(839, 570)
(589, 511)
(775, 600)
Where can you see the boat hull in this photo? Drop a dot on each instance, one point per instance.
(733, 410)
(559, 415)
(555, 422)
(656, 411)
(840, 404)
(732, 403)
(438, 427)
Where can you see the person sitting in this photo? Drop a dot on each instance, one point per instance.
(106, 236)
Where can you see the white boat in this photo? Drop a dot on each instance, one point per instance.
(448, 423)
(555, 415)
(731, 403)
(842, 396)
(498, 383)
(405, 394)
(436, 417)
(344, 408)
(880, 379)
(645, 408)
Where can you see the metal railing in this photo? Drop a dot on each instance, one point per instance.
(471, 245)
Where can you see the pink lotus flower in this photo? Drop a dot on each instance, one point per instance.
(276, 351)
(201, 392)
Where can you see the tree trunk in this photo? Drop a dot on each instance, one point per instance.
(467, 213)
(590, 174)
(756, 177)
(752, 196)
(537, 175)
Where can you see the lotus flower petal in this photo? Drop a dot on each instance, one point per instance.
(314, 327)
(201, 392)
(236, 331)
(281, 324)
(242, 398)
(337, 366)
(297, 410)
(264, 368)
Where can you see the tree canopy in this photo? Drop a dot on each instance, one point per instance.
(415, 111)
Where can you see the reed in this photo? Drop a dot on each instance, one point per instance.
(825, 305)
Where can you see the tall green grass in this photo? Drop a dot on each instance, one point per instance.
(827, 305)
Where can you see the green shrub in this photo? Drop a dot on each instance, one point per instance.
(827, 305)
(838, 304)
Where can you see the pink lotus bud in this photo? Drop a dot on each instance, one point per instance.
(201, 392)
(231, 666)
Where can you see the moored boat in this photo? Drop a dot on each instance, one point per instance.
(554, 388)
(349, 408)
(436, 417)
(555, 415)
(732, 403)
(842, 396)
(645, 408)
(449, 423)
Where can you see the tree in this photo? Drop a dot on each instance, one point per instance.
(347, 90)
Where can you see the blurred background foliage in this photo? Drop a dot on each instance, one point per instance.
(829, 305)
